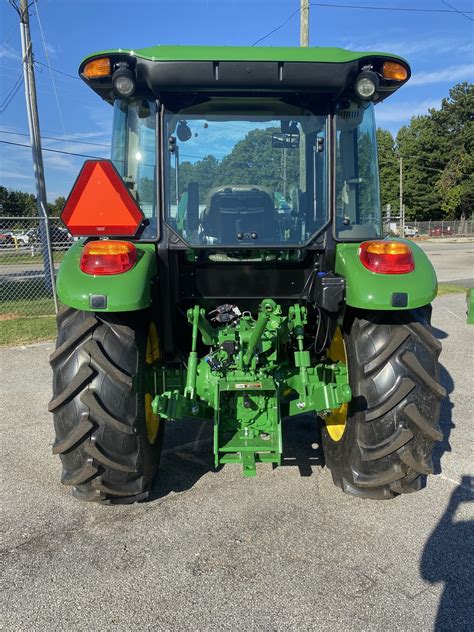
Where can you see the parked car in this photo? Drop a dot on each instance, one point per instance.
(439, 231)
(23, 238)
(6, 239)
(61, 239)
(411, 231)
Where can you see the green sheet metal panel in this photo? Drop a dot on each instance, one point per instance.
(125, 292)
(246, 53)
(371, 290)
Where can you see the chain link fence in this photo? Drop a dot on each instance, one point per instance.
(28, 264)
(455, 228)
(29, 260)
(433, 228)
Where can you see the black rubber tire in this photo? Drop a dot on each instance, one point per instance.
(99, 385)
(393, 417)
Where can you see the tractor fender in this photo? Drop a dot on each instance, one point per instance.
(124, 292)
(371, 290)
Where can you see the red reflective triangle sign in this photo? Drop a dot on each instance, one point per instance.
(100, 203)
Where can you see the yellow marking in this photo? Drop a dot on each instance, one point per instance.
(152, 420)
(152, 345)
(337, 349)
(152, 356)
(336, 421)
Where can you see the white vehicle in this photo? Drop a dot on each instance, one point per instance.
(411, 231)
(22, 239)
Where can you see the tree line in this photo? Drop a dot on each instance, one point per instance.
(21, 204)
(437, 150)
(251, 161)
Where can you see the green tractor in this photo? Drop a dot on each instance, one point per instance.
(232, 268)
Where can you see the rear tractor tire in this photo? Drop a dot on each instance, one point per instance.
(381, 444)
(107, 437)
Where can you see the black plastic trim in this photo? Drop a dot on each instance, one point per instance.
(157, 76)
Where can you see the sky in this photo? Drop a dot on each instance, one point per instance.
(438, 45)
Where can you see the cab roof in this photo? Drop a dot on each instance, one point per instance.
(160, 69)
(245, 53)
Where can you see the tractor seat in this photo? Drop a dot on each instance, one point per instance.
(240, 210)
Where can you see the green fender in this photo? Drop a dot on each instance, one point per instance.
(125, 292)
(370, 290)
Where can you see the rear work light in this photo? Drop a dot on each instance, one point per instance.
(108, 257)
(387, 257)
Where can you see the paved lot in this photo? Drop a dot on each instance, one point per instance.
(212, 551)
(453, 259)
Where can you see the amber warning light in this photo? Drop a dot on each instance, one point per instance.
(100, 204)
(387, 257)
(108, 257)
(97, 68)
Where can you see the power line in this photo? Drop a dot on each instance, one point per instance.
(15, 6)
(49, 66)
(12, 87)
(62, 140)
(61, 72)
(364, 8)
(463, 13)
(55, 151)
(71, 153)
(277, 28)
(11, 93)
(368, 8)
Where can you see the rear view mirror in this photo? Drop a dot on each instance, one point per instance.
(286, 141)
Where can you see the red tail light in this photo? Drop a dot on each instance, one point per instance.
(108, 257)
(387, 257)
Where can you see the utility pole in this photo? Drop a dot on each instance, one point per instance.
(304, 23)
(35, 138)
(402, 206)
(304, 42)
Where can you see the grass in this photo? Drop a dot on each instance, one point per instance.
(26, 308)
(446, 288)
(25, 330)
(26, 320)
(24, 257)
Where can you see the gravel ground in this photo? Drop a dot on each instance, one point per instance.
(213, 551)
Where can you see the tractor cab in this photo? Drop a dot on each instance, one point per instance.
(243, 148)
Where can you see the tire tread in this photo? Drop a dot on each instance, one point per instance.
(393, 368)
(98, 406)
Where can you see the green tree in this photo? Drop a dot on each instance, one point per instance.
(418, 147)
(388, 169)
(253, 160)
(453, 125)
(205, 172)
(3, 201)
(438, 151)
(57, 206)
(17, 203)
